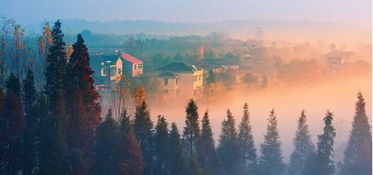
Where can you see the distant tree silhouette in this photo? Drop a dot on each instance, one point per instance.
(357, 156)
(304, 148)
(270, 162)
(246, 144)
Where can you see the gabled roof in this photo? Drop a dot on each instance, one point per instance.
(130, 58)
(167, 75)
(178, 67)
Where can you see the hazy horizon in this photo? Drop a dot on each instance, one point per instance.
(342, 11)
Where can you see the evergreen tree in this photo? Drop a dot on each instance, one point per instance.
(304, 147)
(161, 143)
(79, 75)
(322, 161)
(12, 138)
(206, 149)
(55, 71)
(246, 144)
(191, 130)
(52, 142)
(106, 141)
(175, 150)
(78, 140)
(144, 134)
(228, 146)
(31, 124)
(129, 161)
(270, 162)
(357, 156)
(3, 130)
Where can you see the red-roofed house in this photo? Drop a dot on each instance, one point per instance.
(132, 66)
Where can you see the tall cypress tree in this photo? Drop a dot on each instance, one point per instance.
(191, 138)
(206, 149)
(357, 156)
(55, 71)
(161, 144)
(304, 147)
(270, 162)
(191, 130)
(3, 130)
(52, 143)
(106, 142)
(228, 146)
(175, 150)
(246, 144)
(31, 124)
(79, 75)
(129, 156)
(12, 139)
(322, 161)
(144, 133)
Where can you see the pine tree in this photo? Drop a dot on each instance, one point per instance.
(55, 71)
(191, 130)
(3, 130)
(106, 141)
(161, 143)
(246, 144)
(322, 161)
(228, 145)
(270, 162)
(77, 132)
(13, 130)
(31, 124)
(53, 139)
(53, 148)
(175, 150)
(128, 150)
(357, 156)
(206, 149)
(304, 147)
(144, 133)
(79, 75)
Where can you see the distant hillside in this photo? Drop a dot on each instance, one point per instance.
(272, 30)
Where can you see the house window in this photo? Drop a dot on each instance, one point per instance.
(139, 66)
(135, 66)
(177, 81)
(113, 71)
(165, 81)
(119, 71)
(103, 72)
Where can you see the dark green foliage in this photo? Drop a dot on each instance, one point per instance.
(304, 147)
(128, 151)
(175, 150)
(52, 142)
(246, 144)
(13, 128)
(228, 146)
(32, 122)
(357, 156)
(191, 130)
(322, 161)
(270, 162)
(206, 149)
(144, 134)
(106, 142)
(161, 150)
(55, 71)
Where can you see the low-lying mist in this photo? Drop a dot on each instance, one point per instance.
(335, 94)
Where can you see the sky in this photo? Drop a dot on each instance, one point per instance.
(189, 11)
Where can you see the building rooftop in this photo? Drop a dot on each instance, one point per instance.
(178, 67)
(130, 58)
